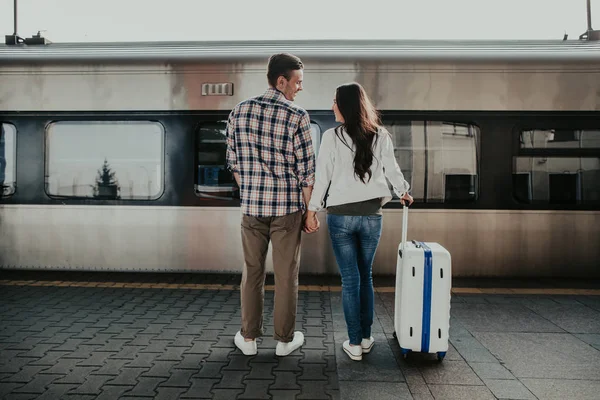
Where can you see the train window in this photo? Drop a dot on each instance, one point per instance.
(213, 180)
(315, 133)
(560, 139)
(439, 159)
(108, 160)
(557, 180)
(8, 155)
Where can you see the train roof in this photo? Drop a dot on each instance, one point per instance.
(547, 50)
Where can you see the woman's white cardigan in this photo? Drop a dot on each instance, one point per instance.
(335, 164)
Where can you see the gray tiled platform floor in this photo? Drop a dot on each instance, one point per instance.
(512, 347)
(108, 343)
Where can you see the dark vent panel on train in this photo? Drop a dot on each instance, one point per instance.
(217, 89)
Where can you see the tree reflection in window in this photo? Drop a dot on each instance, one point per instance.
(106, 185)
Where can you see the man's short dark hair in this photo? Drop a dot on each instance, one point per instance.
(281, 65)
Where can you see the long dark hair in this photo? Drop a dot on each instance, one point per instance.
(361, 122)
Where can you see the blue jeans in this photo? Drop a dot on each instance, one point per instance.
(355, 240)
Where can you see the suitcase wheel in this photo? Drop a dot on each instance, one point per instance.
(394, 335)
(404, 352)
(441, 355)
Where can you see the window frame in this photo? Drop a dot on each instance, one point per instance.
(391, 117)
(196, 148)
(555, 153)
(14, 159)
(107, 121)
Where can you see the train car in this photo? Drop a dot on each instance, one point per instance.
(112, 154)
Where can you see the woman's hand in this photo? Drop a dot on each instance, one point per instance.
(406, 198)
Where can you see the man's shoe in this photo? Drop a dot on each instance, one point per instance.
(248, 348)
(354, 352)
(367, 344)
(283, 349)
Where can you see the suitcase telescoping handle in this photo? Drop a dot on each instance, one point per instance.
(404, 224)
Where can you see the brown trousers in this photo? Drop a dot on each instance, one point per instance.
(285, 234)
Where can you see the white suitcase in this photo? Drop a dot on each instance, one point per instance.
(423, 283)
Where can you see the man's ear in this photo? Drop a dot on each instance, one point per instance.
(281, 81)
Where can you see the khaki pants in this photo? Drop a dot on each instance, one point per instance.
(285, 233)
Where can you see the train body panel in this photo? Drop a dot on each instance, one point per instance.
(417, 86)
(112, 155)
(176, 239)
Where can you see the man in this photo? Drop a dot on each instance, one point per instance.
(270, 153)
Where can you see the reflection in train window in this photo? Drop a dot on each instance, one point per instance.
(440, 160)
(105, 159)
(522, 187)
(8, 155)
(213, 180)
(315, 133)
(560, 139)
(557, 180)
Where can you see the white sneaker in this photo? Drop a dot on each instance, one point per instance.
(248, 348)
(354, 352)
(283, 349)
(367, 344)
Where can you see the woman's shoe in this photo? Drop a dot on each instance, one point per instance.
(367, 344)
(354, 352)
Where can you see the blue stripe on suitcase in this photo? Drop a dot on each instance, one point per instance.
(428, 272)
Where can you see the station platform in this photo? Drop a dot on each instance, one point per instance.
(96, 335)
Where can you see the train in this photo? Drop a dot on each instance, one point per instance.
(112, 154)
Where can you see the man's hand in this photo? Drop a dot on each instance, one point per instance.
(311, 222)
(406, 198)
(238, 179)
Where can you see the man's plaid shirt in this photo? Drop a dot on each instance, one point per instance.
(269, 144)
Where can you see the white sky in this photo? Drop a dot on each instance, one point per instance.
(154, 20)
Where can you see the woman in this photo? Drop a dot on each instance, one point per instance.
(354, 160)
